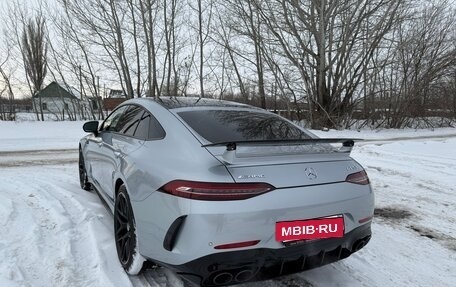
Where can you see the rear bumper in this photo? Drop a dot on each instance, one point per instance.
(235, 267)
(208, 224)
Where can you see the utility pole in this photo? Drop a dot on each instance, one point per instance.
(80, 92)
(97, 91)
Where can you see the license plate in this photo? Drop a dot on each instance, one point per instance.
(310, 229)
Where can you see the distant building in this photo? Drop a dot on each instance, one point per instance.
(115, 98)
(62, 99)
(56, 99)
(117, 94)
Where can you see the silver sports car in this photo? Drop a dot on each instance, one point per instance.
(224, 193)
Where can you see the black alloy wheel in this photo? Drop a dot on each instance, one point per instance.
(83, 179)
(125, 233)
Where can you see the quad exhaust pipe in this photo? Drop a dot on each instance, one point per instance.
(233, 276)
(359, 244)
(223, 278)
(247, 273)
(244, 275)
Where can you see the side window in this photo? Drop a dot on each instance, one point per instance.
(142, 132)
(149, 128)
(110, 123)
(129, 120)
(156, 131)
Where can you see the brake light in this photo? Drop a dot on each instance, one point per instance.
(215, 191)
(358, 178)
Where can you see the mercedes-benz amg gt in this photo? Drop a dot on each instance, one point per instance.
(224, 193)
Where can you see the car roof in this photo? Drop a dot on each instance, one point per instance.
(185, 102)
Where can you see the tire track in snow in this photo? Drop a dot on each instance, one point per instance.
(70, 229)
(25, 233)
(53, 239)
(48, 236)
(419, 178)
(78, 242)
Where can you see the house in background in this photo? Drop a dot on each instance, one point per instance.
(115, 98)
(117, 94)
(56, 100)
(67, 102)
(89, 104)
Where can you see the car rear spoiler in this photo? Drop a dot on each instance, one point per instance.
(230, 153)
(233, 144)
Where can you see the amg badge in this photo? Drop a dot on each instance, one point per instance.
(247, 176)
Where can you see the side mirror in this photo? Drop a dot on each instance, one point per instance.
(91, 127)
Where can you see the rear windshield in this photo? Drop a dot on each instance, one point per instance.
(225, 126)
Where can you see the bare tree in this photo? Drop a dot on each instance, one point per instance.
(419, 61)
(223, 35)
(201, 46)
(323, 40)
(75, 55)
(135, 36)
(170, 81)
(244, 19)
(323, 61)
(146, 8)
(104, 24)
(204, 12)
(7, 111)
(34, 53)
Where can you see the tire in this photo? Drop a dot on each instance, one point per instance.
(125, 234)
(83, 179)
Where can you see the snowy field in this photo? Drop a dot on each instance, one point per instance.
(52, 233)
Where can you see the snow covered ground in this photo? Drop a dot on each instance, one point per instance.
(52, 233)
(33, 135)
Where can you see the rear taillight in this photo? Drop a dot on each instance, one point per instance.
(358, 178)
(215, 191)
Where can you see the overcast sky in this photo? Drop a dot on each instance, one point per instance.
(29, 4)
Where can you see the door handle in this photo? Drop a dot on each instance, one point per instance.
(117, 154)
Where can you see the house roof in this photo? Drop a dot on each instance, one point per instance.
(117, 94)
(54, 90)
